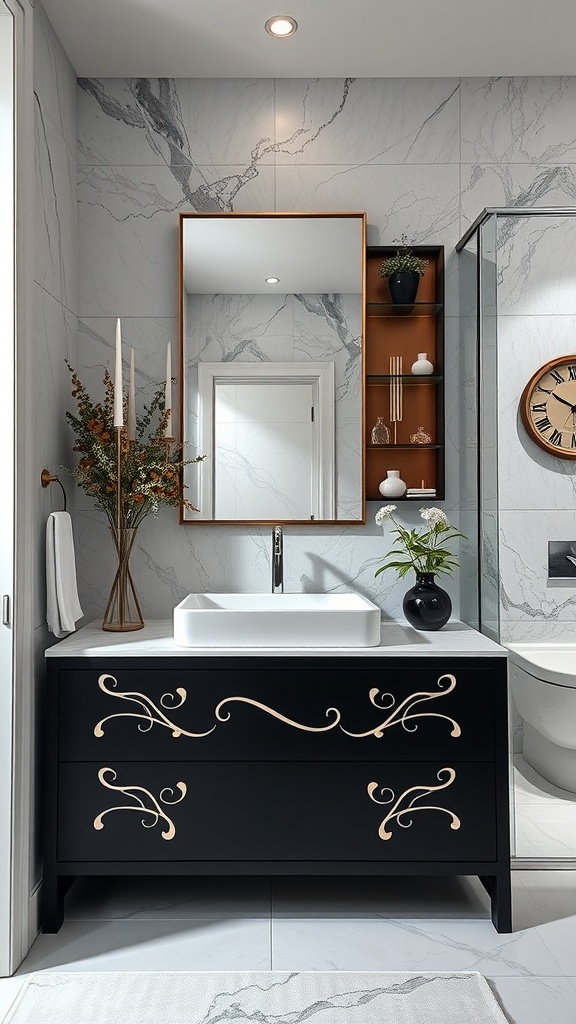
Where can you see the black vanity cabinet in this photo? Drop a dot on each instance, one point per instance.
(224, 765)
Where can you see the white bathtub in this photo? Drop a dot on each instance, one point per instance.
(543, 683)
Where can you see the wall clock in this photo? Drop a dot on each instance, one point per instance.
(548, 407)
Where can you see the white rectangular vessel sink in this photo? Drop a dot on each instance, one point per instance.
(276, 620)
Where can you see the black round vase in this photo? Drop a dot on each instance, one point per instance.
(403, 286)
(426, 605)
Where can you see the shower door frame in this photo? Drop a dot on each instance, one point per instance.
(486, 256)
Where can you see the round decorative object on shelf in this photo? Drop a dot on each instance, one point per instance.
(404, 286)
(422, 367)
(426, 605)
(393, 486)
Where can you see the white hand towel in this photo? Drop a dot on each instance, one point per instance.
(62, 604)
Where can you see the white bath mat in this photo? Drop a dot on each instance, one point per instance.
(274, 997)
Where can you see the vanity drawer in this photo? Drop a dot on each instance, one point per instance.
(276, 811)
(288, 713)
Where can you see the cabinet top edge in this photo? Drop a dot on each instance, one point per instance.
(156, 640)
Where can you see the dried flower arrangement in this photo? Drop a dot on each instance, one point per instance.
(151, 464)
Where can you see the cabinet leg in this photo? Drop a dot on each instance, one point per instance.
(54, 889)
(499, 888)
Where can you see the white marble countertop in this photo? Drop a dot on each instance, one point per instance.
(156, 640)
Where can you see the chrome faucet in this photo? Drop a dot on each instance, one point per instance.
(277, 561)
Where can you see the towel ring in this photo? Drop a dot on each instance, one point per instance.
(46, 478)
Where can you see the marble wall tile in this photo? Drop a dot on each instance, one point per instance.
(56, 243)
(536, 274)
(530, 478)
(323, 121)
(128, 230)
(54, 79)
(172, 121)
(170, 561)
(504, 184)
(525, 591)
(411, 198)
(519, 120)
(517, 631)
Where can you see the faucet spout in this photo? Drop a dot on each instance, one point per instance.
(277, 561)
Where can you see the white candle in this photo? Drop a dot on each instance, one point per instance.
(118, 397)
(168, 391)
(131, 401)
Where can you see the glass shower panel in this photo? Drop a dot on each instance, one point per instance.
(489, 569)
(468, 432)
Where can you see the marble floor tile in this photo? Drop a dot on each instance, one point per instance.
(356, 945)
(170, 898)
(201, 945)
(537, 1000)
(9, 989)
(560, 939)
(417, 897)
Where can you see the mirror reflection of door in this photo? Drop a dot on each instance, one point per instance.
(266, 449)
(270, 430)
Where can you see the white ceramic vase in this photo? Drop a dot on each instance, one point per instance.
(422, 366)
(392, 486)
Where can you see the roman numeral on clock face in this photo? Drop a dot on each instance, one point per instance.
(556, 438)
(545, 390)
(573, 441)
(541, 407)
(572, 372)
(557, 376)
(543, 424)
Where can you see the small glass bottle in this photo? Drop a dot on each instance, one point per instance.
(421, 437)
(380, 432)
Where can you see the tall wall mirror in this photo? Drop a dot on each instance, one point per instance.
(271, 343)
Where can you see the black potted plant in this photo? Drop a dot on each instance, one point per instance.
(403, 271)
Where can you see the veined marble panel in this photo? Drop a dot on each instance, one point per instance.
(170, 561)
(172, 121)
(128, 228)
(526, 593)
(537, 266)
(530, 478)
(241, 326)
(367, 120)
(503, 184)
(54, 79)
(420, 201)
(519, 120)
(56, 246)
(537, 630)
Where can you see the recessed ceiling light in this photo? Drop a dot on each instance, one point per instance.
(272, 280)
(281, 25)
